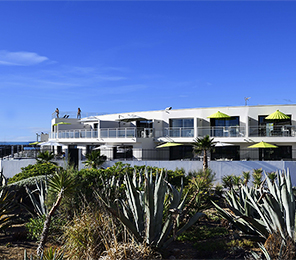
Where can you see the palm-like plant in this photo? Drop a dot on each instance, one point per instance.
(203, 145)
(45, 156)
(6, 207)
(62, 183)
(94, 159)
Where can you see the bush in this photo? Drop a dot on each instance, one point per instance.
(37, 169)
(35, 227)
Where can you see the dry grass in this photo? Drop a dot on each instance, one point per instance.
(132, 250)
(83, 236)
(277, 250)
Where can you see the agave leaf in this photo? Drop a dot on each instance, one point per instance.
(149, 208)
(159, 194)
(134, 203)
(167, 227)
(275, 214)
(257, 208)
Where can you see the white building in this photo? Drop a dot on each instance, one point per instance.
(135, 135)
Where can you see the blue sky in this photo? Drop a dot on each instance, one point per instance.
(118, 56)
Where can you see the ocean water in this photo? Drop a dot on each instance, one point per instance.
(16, 143)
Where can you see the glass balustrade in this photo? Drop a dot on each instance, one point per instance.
(272, 131)
(221, 131)
(105, 133)
(179, 132)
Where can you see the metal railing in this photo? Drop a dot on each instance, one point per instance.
(129, 132)
(179, 132)
(221, 131)
(268, 131)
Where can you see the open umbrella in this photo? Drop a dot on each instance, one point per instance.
(168, 145)
(51, 143)
(219, 115)
(262, 145)
(277, 115)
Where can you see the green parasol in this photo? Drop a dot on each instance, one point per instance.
(278, 115)
(262, 145)
(168, 145)
(219, 115)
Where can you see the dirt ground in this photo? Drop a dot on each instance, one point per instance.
(14, 243)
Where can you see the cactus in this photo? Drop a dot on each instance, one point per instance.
(143, 210)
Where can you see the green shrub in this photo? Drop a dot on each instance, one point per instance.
(37, 169)
(35, 227)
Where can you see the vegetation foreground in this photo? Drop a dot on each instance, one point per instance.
(122, 212)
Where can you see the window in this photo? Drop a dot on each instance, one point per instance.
(182, 122)
(182, 127)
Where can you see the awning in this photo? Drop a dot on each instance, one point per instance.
(168, 145)
(51, 143)
(262, 145)
(89, 119)
(277, 115)
(130, 118)
(220, 144)
(219, 115)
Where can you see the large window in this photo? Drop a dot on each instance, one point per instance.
(181, 122)
(273, 127)
(225, 126)
(226, 153)
(275, 154)
(181, 152)
(182, 127)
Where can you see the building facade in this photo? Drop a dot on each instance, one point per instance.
(135, 136)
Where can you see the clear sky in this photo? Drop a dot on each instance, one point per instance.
(118, 56)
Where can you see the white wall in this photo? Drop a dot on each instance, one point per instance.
(13, 167)
(220, 168)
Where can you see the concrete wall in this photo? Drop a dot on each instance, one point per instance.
(13, 167)
(221, 168)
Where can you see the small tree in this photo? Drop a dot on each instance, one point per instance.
(45, 156)
(203, 145)
(95, 159)
(63, 184)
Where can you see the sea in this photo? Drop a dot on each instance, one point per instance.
(16, 143)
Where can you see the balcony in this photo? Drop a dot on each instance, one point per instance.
(179, 132)
(130, 132)
(273, 131)
(221, 131)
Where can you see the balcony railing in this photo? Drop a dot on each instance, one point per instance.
(179, 132)
(221, 131)
(130, 132)
(276, 131)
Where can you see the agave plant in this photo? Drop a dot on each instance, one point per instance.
(266, 211)
(143, 211)
(39, 202)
